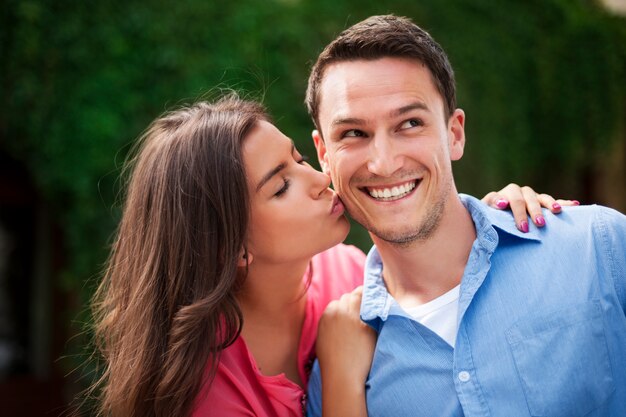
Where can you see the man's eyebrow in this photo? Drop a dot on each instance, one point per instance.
(274, 171)
(347, 121)
(408, 108)
(394, 113)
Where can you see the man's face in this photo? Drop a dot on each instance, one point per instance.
(388, 145)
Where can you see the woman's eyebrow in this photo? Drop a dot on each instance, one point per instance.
(274, 171)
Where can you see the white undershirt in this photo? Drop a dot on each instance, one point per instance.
(440, 315)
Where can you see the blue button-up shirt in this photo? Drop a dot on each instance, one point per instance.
(542, 326)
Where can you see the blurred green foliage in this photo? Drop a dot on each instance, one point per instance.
(541, 81)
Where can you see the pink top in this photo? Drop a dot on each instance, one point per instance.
(239, 389)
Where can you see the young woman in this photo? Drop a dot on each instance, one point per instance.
(227, 253)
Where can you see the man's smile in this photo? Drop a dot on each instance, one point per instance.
(392, 192)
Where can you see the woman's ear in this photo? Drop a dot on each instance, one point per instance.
(245, 258)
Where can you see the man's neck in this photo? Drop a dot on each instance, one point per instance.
(426, 269)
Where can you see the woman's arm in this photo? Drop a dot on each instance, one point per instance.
(345, 365)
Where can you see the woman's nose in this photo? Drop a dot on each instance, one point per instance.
(319, 182)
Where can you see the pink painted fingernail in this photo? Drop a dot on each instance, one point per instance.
(523, 226)
(502, 203)
(540, 221)
(576, 202)
(556, 206)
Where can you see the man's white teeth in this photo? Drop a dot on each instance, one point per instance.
(394, 193)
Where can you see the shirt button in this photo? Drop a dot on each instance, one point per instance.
(464, 376)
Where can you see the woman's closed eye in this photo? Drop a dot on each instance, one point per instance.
(284, 188)
(300, 159)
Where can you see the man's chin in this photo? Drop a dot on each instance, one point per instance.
(402, 239)
(406, 236)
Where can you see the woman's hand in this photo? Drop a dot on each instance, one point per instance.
(345, 347)
(524, 202)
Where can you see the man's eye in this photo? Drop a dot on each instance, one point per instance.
(411, 123)
(353, 133)
(303, 159)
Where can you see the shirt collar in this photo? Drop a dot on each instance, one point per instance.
(485, 217)
(374, 304)
(377, 304)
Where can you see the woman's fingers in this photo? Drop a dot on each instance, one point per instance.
(524, 202)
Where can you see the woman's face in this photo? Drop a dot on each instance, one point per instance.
(293, 213)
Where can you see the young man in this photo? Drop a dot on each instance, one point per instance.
(474, 316)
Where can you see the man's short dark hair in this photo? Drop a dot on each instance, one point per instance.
(380, 37)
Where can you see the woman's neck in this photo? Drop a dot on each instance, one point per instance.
(273, 303)
(271, 290)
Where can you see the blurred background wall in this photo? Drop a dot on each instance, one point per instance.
(542, 82)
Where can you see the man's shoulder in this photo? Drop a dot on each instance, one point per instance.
(589, 219)
(591, 211)
(575, 231)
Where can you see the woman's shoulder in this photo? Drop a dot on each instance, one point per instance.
(340, 256)
(233, 388)
(337, 270)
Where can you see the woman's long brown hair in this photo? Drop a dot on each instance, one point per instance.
(166, 306)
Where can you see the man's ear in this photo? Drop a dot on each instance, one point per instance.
(322, 156)
(456, 134)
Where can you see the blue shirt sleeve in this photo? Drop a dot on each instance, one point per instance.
(314, 404)
(614, 233)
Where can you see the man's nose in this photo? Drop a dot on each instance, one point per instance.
(383, 156)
